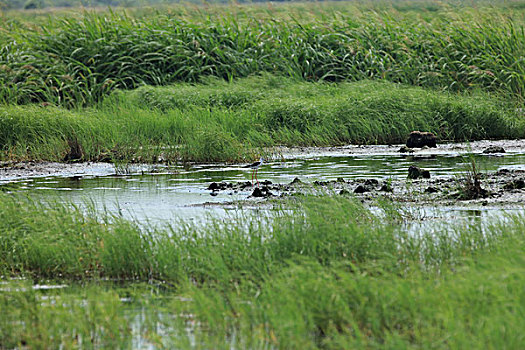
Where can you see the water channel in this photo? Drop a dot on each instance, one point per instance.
(160, 194)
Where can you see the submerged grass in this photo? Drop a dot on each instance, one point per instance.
(327, 274)
(230, 122)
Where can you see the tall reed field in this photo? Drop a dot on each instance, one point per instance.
(77, 60)
(232, 122)
(324, 273)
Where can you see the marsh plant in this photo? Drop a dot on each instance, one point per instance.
(470, 185)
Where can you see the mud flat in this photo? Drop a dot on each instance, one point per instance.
(17, 170)
(451, 149)
(160, 192)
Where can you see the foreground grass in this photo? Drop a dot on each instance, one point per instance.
(77, 61)
(220, 121)
(328, 274)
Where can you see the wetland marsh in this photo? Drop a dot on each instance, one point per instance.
(128, 220)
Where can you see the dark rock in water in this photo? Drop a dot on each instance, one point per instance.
(266, 182)
(257, 192)
(420, 139)
(405, 149)
(213, 186)
(371, 182)
(515, 184)
(415, 173)
(214, 193)
(494, 149)
(361, 189)
(296, 181)
(386, 188)
(263, 192)
(431, 189)
(503, 171)
(344, 192)
(340, 179)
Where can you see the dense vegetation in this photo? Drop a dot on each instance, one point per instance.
(342, 278)
(222, 121)
(79, 60)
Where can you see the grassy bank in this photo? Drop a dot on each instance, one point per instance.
(328, 274)
(79, 60)
(221, 121)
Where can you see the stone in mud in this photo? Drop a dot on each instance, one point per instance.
(494, 149)
(371, 182)
(415, 173)
(245, 184)
(515, 185)
(320, 183)
(213, 186)
(257, 192)
(420, 139)
(361, 189)
(261, 192)
(431, 189)
(386, 188)
(296, 181)
(405, 149)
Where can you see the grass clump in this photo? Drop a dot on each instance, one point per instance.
(317, 228)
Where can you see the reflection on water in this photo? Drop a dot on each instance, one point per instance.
(181, 192)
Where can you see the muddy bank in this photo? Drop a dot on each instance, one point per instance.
(18, 170)
(368, 172)
(476, 147)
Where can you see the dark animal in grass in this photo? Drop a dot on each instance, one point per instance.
(420, 139)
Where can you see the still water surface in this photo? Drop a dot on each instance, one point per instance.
(160, 195)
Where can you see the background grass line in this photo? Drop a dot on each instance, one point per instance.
(78, 61)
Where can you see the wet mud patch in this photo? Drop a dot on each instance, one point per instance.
(506, 186)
